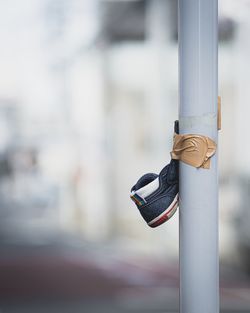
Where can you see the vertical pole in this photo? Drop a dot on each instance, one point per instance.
(198, 77)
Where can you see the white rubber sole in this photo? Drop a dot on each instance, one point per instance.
(167, 214)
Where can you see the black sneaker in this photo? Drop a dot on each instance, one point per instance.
(156, 196)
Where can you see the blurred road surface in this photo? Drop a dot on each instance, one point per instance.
(72, 278)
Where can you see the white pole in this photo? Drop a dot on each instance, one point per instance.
(198, 76)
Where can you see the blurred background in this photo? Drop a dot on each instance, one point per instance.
(88, 96)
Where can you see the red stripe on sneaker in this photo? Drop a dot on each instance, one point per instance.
(165, 217)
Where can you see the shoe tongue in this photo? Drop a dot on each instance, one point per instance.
(144, 180)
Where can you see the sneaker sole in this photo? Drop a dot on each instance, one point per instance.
(167, 214)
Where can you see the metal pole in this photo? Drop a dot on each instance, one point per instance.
(198, 76)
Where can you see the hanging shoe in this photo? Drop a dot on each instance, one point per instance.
(156, 196)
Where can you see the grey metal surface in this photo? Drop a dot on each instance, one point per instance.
(199, 269)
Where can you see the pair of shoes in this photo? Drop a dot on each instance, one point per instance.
(156, 196)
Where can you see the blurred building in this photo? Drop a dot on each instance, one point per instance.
(87, 106)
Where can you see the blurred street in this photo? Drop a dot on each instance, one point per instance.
(88, 97)
(73, 276)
